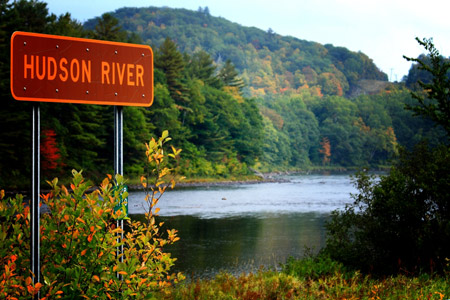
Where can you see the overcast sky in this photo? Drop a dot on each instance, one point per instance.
(383, 29)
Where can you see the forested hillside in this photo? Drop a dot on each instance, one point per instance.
(231, 97)
(268, 62)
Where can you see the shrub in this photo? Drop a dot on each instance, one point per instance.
(80, 238)
(399, 223)
(312, 267)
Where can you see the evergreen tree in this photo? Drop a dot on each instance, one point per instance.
(108, 29)
(170, 61)
(230, 77)
(201, 66)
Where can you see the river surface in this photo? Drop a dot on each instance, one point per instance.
(240, 228)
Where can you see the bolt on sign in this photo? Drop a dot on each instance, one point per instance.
(49, 68)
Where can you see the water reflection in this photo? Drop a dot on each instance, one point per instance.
(239, 228)
(242, 244)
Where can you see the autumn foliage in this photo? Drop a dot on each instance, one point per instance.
(325, 150)
(79, 239)
(50, 153)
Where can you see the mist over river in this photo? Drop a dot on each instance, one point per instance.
(241, 227)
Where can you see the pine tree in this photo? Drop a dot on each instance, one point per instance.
(108, 29)
(230, 77)
(171, 62)
(202, 67)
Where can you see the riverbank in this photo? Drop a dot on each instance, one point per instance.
(312, 280)
(135, 185)
(257, 177)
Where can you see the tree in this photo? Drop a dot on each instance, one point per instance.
(15, 116)
(230, 77)
(202, 67)
(108, 29)
(337, 117)
(400, 223)
(50, 155)
(302, 128)
(170, 61)
(65, 25)
(206, 11)
(325, 150)
(434, 100)
(416, 74)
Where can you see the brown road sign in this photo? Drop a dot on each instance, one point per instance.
(49, 68)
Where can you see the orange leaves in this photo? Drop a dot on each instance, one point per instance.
(144, 181)
(172, 235)
(30, 289)
(161, 190)
(106, 182)
(45, 197)
(64, 190)
(143, 280)
(50, 155)
(83, 252)
(326, 150)
(33, 290)
(90, 237)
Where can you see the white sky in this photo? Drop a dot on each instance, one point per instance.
(382, 29)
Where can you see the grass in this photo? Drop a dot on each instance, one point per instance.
(312, 278)
(278, 285)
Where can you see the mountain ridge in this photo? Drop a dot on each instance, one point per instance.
(268, 62)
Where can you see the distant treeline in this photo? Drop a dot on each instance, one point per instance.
(231, 99)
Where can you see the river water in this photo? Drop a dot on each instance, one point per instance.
(240, 228)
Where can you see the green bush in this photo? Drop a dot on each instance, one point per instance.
(399, 223)
(312, 267)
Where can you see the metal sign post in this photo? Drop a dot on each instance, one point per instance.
(118, 163)
(35, 192)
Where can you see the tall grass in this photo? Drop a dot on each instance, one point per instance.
(313, 278)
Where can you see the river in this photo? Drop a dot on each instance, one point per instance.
(242, 227)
